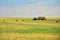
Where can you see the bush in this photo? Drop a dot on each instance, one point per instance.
(34, 18)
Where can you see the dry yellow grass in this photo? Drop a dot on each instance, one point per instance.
(27, 25)
(11, 36)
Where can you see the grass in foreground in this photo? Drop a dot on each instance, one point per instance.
(29, 29)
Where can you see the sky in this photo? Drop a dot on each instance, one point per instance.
(29, 8)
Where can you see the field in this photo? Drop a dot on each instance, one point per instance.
(28, 29)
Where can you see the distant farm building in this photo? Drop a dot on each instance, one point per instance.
(39, 18)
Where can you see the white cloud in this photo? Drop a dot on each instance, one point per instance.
(30, 10)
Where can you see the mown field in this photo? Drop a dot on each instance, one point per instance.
(28, 29)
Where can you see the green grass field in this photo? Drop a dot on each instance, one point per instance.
(29, 29)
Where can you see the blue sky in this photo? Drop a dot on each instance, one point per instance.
(29, 8)
(25, 2)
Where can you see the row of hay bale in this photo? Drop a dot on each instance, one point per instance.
(35, 18)
(15, 20)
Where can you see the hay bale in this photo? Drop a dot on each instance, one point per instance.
(22, 20)
(57, 21)
(3, 20)
(16, 20)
